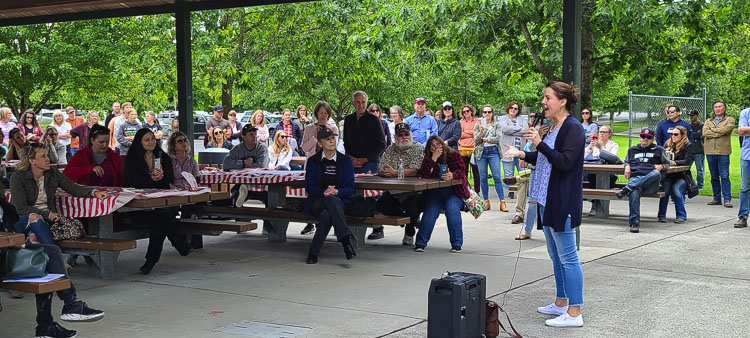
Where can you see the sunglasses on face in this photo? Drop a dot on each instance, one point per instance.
(586, 113)
(513, 108)
(283, 136)
(376, 110)
(232, 114)
(466, 111)
(487, 112)
(647, 137)
(180, 140)
(671, 111)
(676, 134)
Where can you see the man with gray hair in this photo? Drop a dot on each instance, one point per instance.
(408, 204)
(364, 139)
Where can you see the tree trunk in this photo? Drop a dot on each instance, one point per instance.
(226, 93)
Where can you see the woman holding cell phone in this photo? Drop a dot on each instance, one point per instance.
(148, 166)
(443, 162)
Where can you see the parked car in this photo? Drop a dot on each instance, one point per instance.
(46, 116)
(199, 126)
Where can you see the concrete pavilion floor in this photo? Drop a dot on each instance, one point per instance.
(670, 280)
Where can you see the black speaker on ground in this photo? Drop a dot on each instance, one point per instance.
(455, 306)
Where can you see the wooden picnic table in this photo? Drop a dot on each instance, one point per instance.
(602, 173)
(103, 226)
(277, 198)
(298, 160)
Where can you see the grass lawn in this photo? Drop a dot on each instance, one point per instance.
(734, 166)
(734, 163)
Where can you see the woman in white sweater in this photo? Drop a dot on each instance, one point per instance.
(279, 153)
(599, 144)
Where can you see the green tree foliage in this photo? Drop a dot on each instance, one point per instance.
(477, 52)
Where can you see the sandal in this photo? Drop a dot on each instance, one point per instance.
(523, 236)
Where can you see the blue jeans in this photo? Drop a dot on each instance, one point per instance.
(531, 209)
(509, 167)
(744, 189)
(718, 165)
(700, 169)
(641, 185)
(435, 201)
(40, 228)
(676, 189)
(491, 157)
(561, 247)
(371, 167)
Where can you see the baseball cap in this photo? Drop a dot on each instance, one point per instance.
(694, 112)
(447, 104)
(647, 132)
(419, 99)
(248, 127)
(219, 107)
(401, 127)
(324, 133)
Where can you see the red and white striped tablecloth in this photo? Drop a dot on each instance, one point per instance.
(72, 206)
(258, 179)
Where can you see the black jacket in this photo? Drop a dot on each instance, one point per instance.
(138, 176)
(680, 159)
(10, 216)
(364, 137)
(643, 160)
(565, 191)
(697, 145)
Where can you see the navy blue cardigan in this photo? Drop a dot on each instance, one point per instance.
(565, 190)
(314, 175)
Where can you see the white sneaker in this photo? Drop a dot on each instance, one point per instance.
(241, 196)
(565, 320)
(408, 240)
(552, 309)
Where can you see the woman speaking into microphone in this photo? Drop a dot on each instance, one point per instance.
(557, 189)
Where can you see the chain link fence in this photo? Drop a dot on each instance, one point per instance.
(648, 111)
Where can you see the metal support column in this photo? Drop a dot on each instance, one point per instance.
(184, 69)
(571, 71)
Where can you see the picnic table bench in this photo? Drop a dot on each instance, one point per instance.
(8, 239)
(277, 214)
(604, 193)
(104, 244)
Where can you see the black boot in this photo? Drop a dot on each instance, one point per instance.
(147, 267)
(348, 248)
(377, 233)
(312, 259)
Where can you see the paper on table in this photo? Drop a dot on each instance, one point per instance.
(190, 179)
(48, 278)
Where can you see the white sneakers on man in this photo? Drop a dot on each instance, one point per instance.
(241, 196)
(565, 320)
(553, 309)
